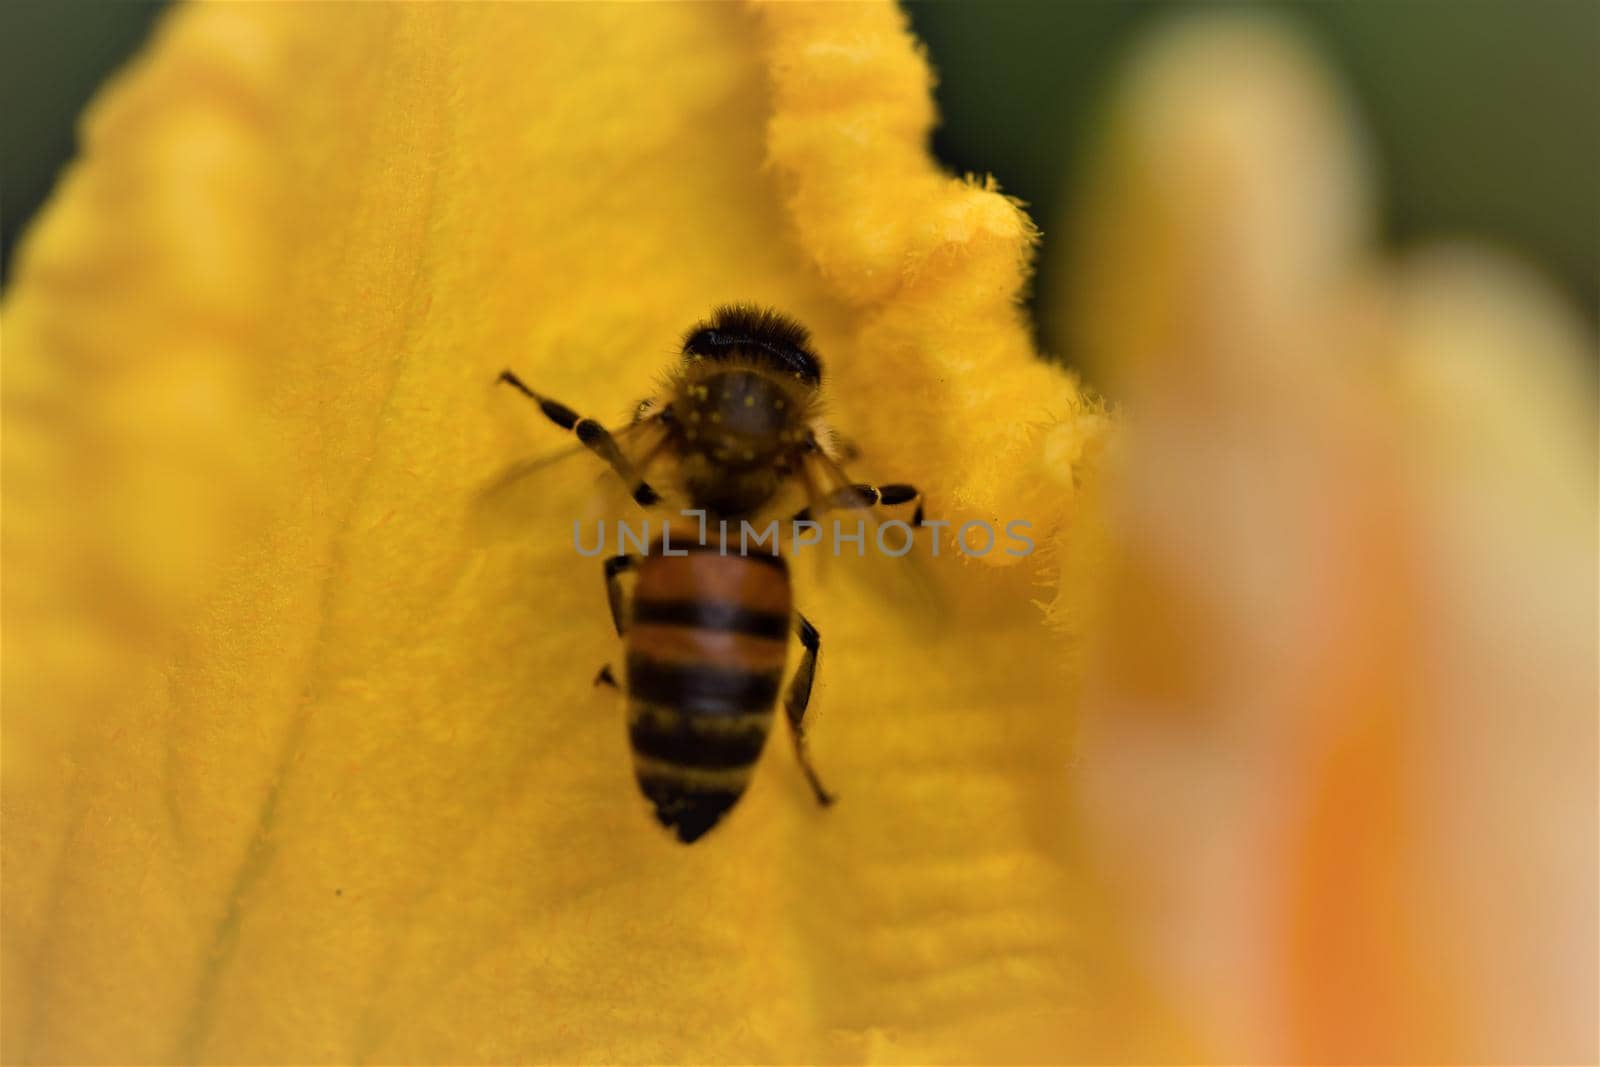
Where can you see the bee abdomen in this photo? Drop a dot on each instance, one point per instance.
(696, 731)
(693, 768)
(711, 616)
(702, 689)
(706, 645)
(688, 808)
(693, 742)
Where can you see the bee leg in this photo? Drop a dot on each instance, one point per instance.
(862, 495)
(901, 493)
(595, 437)
(615, 568)
(798, 697)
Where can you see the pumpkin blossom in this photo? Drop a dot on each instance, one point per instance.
(302, 761)
(298, 767)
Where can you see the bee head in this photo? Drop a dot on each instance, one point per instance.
(747, 333)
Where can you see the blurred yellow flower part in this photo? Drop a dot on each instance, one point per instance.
(1349, 644)
(296, 770)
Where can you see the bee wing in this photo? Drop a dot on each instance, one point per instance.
(548, 493)
(906, 580)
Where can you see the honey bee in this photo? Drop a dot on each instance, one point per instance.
(705, 629)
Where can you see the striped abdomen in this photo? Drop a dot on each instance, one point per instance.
(706, 642)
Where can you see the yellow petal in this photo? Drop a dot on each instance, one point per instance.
(296, 768)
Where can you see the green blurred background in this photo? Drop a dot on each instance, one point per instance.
(1484, 113)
